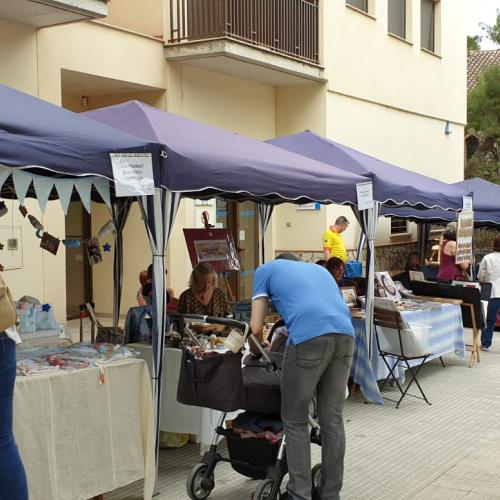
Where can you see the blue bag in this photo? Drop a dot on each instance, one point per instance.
(353, 269)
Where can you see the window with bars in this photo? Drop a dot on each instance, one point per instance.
(359, 4)
(398, 225)
(427, 24)
(397, 17)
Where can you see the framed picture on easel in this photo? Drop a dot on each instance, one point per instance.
(214, 246)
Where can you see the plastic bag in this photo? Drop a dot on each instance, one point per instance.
(27, 317)
(45, 320)
(353, 269)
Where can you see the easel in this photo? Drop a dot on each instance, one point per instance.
(224, 284)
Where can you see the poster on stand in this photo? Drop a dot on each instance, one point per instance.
(465, 230)
(215, 246)
(386, 284)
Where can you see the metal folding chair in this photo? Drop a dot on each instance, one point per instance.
(392, 320)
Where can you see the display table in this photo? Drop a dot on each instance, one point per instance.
(176, 417)
(446, 335)
(79, 439)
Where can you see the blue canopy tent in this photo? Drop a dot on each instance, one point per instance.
(392, 186)
(486, 206)
(202, 162)
(486, 211)
(47, 152)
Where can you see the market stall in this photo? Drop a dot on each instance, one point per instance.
(392, 186)
(203, 162)
(47, 152)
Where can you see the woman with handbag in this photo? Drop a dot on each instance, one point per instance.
(13, 485)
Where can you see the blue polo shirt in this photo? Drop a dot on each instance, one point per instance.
(306, 296)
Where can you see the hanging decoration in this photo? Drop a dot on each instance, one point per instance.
(106, 247)
(3, 209)
(93, 251)
(23, 210)
(23, 179)
(50, 243)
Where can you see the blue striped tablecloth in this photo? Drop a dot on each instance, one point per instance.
(361, 370)
(447, 335)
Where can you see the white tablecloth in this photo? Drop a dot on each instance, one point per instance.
(79, 439)
(176, 417)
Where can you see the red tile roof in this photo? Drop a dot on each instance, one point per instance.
(477, 61)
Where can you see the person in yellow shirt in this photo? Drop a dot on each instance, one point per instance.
(333, 244)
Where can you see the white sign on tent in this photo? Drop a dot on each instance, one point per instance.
(133, 173)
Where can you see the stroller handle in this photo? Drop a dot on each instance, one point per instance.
(216, 320)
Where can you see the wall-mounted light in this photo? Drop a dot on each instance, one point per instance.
(448, 129)
(108, 228)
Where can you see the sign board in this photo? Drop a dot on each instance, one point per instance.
(309, 206)
(465, 229)
(364, 191)
(467, 204)
(133, 174)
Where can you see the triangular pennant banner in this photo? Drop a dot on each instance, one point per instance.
(22, 181)
(43, 187)
(64, 190)
(4, 173)
(84, 188)
(102, 186)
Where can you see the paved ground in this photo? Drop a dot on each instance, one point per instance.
(450, 450)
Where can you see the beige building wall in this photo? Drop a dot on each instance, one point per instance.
(42, 274)
(225, 101)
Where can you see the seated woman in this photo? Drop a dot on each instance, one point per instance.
(412, 264)
(203, 296)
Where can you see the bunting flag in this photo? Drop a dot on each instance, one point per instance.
(43, 185)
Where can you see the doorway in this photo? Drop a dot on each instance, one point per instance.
(241, 220)
(78, 270)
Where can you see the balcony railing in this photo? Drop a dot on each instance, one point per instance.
(289, 27)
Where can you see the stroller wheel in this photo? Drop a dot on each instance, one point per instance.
(263, 490)
(198, 484)
(316, 477)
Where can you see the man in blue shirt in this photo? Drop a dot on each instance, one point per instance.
(317, 359)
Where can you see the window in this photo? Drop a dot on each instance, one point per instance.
(398, 225)
(427, 24)
(397, 18)
(359, 4)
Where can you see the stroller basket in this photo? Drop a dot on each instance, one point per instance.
(217, 381)
(250, 457)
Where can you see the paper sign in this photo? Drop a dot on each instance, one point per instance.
(309, 206)
(465, 230)
(133, 174)
(467, 204)
(364, 192)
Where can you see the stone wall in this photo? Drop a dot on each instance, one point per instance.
(387, 257)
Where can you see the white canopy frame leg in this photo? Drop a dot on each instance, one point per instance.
(265, 211)
(159, 213)
(368, 219)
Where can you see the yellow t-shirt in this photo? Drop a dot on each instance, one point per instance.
(333, 241)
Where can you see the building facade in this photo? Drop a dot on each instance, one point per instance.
(387, 77)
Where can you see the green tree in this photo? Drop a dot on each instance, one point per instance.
(483, 108)
(483, 104)
(473, 42)
(493, 31)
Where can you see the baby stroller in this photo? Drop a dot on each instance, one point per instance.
(227, 382)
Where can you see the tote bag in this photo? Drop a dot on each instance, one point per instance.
(8, 316)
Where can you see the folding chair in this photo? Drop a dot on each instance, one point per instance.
(393, 345)
(105, 334)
